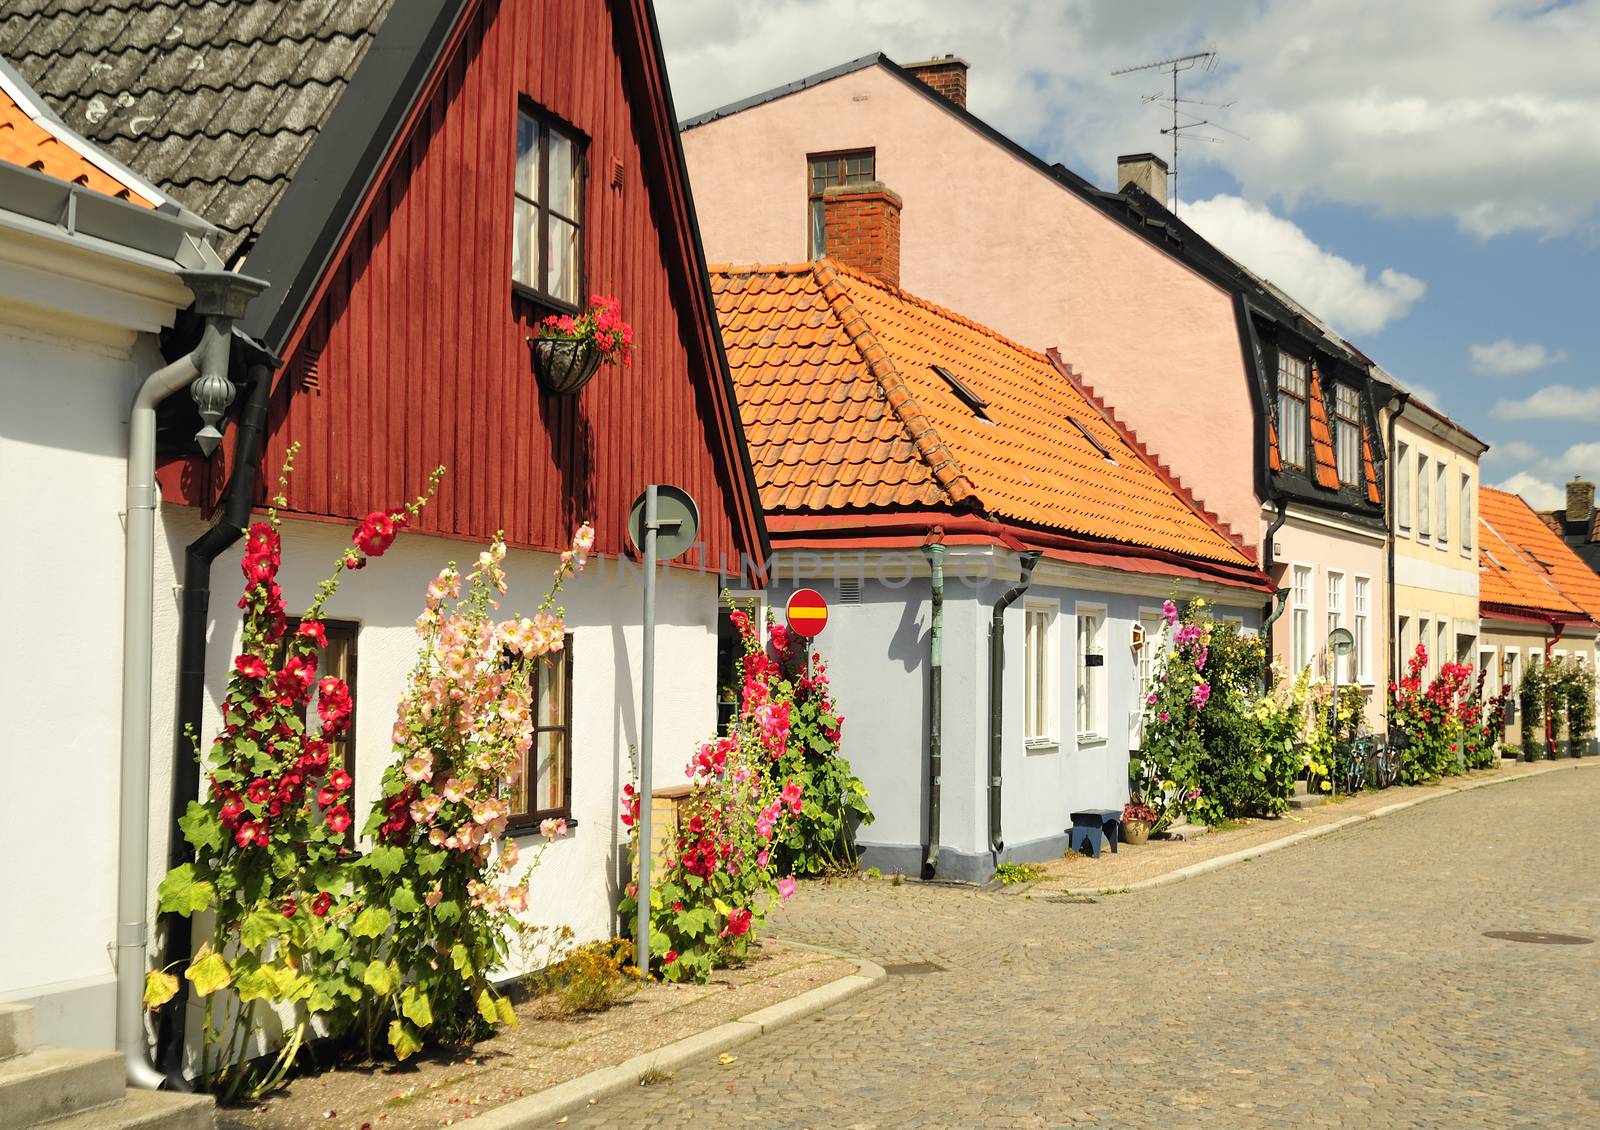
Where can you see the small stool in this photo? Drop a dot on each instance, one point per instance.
(1091, 827)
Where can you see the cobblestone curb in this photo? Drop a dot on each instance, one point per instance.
(576, 1094)
(1290, 840)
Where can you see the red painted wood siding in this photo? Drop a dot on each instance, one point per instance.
(421, 344)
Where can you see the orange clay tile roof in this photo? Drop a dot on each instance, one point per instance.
(1523, 564)
(844, 413)
(25, 142)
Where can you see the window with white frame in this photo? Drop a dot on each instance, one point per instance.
(1292, 406)
(1402, 633)
(1425, 641)
(1347, 433)
(1441, 502)
(1402, 487)
(1300, 619)
(1487, 662)
(1041, 674)
(1466, 644)
(1146, 644)
(1466, 514)
(1424, 506)
(1361, 612)
(1335, 613)
(1441, 631)
(1091, 672)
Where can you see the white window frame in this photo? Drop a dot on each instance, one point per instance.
(1089, 688)
(1347, 433)
(1402, 633)
(1425, 637)
(1424, 500)
(1485, 667)
(1445, 646)
(1441, 504)
(1466, 514)
(1302, 597)
(1361, 618)
(1334, 606)
(1041, 688)
(1402, 487)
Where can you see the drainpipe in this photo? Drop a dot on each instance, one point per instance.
(193, 619)
(1396, 406)
(935, 555)
(997, 663)
(1274, 608)
(220, 296)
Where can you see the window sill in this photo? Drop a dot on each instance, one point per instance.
(1040, 745)
(530, 826)
(545, 303)
(1091, 739)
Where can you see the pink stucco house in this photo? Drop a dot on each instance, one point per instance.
(1267, 418)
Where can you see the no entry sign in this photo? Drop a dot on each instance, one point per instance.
(807, 613)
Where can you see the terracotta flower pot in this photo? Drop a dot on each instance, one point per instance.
(1135, 831)
(563, 367)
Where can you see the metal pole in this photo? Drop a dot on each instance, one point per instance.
(641, 952)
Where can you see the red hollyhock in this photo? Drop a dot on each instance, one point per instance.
(289, 907)
(377, 532)
(320, 904)
(338, 818)
(333, 704)
(251, 666)
(314, 631)
(339, 779)
(739, 922)
(295, 678)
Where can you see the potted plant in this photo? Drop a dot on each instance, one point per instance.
(1137, 820)
(568, 351)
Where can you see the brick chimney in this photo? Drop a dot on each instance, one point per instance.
(1580, 502)
(861, 229)
(947, 76)
(1147, 171)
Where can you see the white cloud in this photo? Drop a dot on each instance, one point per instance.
(1486, 112)
(1539, 494)
(1553, 402)
(1329, 285)
(1514, 451)
(1505, 358)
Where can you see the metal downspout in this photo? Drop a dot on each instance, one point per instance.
(997, 663)
(220, 296)
(1269, 562)
(935, 554)
(1397, 406)
(193, 620)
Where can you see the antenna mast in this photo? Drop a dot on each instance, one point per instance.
(1206, 60)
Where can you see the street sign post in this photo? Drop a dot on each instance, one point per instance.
(662, 523)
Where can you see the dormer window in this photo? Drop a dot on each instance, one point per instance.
(547, 215)
(1293, 373)
(1347, 434)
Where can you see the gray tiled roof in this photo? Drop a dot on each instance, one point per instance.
(216, 102)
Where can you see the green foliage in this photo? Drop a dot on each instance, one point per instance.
(1532, 695)
(592, 978)
(1009, 873)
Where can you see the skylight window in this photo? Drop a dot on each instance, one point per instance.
(963, 391)
(1093, 440)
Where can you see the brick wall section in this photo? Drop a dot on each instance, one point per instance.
(947, 76)
(861, 229)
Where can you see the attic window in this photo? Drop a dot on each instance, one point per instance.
(964, 391)
(1094, 441)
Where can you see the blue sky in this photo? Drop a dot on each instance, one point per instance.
(1425, 176)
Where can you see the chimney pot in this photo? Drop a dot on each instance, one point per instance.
(861, 229)
(1580, 501)
(947, 76)
(1147, 171)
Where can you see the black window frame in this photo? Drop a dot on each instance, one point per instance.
(841, 175)
(1303, 400)
(530, 821)
(545, 121)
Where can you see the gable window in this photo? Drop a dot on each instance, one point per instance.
(1361, 610)
(824, 171)
(1402, 487)
(1466, 514)
(1041, 674)
(1091, 673)
(1424, 506)
(543, 788)
(1441, 502)
(1300, 620)
(1292, 375)
(1347, 434)
(547, 220)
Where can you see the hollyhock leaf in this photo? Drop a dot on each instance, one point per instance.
(208, 972)
(200, 827)
(461, 960)
(319, 999)
(260, 983)
(447, 912)
(405, 901)
(181, 893)
(370, 923)
(508, 1015)
(414, 1006)
(261, 924)
(386, 859)
(159, 988)
(403, 1040)
(379, 978)
(429, 862)
(486, 1008)
(284, 862)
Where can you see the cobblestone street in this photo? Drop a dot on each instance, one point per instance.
(1344, 982)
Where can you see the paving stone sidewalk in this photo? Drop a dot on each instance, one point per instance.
(1342, 982)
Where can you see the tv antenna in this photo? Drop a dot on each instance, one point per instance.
(1206, 61)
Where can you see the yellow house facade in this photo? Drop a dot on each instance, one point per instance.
(1433, 502)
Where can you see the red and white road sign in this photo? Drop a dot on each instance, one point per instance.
(807, 613)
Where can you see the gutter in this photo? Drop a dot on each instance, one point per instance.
(193, 620)
(997, 664)
(1396, 406)
(935, 554)
(220, 297)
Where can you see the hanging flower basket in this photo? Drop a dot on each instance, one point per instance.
(564, 366)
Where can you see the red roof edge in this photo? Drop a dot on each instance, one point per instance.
(1528, 615)
(1165, 473)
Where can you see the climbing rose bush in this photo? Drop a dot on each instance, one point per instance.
(269, 835)
(441, 889)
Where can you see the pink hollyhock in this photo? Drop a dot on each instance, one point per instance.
(1200, 695)
(1169, 611)
(786, 886)
(791, 796)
